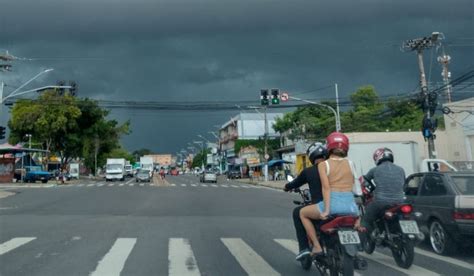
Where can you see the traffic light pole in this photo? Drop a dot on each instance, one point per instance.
(266, 143)
(425, 95)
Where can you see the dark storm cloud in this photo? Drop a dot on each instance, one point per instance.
(219, 50)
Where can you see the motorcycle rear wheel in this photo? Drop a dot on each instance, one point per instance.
(306, 263)
(368, 243)
(343, 265)
(404, 253)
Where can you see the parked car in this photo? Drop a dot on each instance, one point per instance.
(233, 174)
(446, 204)
(143, 176)
(36, 173)
(208, 176)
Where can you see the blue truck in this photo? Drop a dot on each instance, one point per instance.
(36, 173)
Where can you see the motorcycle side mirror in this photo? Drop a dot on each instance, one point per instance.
(289, 178)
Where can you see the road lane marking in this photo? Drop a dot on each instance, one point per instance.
(101, 184)
(204, 185)
(445, 259)
(121, 184)
(80, 185)
(245, 186)
(248, 259)
(388, 261)
(90, 185)
(183, 185)
(234, 186)
(214, 185)
(225, 185)
(292, 246)
(142, 184)
(131, 184)
(174, 185)
(14, 243)
(113, 262)
(110, 185)
(194, 185)
(181, 260)
(129, 181)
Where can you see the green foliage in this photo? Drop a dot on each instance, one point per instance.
(200, 158)
(368, 113)
(273, 144)
(67, 126)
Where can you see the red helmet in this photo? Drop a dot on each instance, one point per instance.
(337, 140)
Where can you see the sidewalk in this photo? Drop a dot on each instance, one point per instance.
(271, 184)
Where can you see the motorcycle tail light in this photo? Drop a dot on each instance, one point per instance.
(463, 215)
(345, 221)
(406, 209)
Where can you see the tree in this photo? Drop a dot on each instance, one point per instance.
(48, 119)
(141, 152)
(200, 158)
(68, 127)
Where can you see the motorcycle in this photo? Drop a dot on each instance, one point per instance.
(339, 241)
(394, 228)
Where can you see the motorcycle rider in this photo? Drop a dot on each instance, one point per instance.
(316, 153)
(389, 180)
(337, 181)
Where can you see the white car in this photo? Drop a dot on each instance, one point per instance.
(208, 176)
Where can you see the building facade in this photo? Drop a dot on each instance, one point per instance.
(250, 126)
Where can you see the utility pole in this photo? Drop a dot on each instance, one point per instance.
(266, 156)
(338, 117)
(429, 99)
(444, 60)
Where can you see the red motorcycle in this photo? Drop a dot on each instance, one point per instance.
(394, 228)
(339, 241)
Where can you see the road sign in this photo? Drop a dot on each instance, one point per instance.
(267, 156)
(284, 97)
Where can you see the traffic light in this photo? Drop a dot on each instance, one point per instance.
(264, 99)
(73, 90)
(60, 90)
(275, 96)
(2, 132)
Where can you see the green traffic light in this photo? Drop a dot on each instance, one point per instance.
(275, 101)
(264, 102)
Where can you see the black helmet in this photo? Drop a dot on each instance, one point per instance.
(383, 154)
(316, 151)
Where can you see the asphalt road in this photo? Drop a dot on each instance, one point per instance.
(178, 228)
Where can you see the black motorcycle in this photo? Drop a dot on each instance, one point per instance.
(339, 241)
(394, 229)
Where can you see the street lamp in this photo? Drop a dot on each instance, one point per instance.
(29, 140)
(336, 115)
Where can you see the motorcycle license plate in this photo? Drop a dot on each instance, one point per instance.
(409, 227)
(348, 237)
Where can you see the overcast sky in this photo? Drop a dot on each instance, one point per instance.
(193, 50)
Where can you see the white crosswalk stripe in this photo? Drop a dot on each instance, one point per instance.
(250, 261)
(114, 261)
(292, 246)
(14, 243)
(181, 260)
